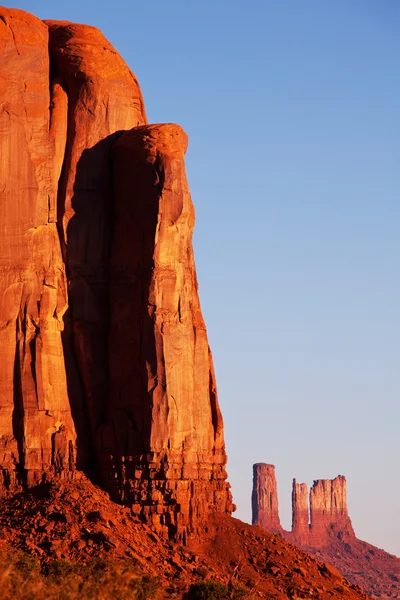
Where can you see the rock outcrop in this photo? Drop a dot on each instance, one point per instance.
(264, 499)
(164, 422)
(328, 510)
(300, 512)
(106, 367)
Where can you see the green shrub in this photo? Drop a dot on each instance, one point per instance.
(209, 590)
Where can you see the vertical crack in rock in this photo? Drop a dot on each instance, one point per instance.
(103, 99)
(13, 445)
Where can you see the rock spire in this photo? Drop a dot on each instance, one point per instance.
(300, 511)
(264, 498)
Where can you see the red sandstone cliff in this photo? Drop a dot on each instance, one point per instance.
(37, 431)
(105, 361)
(97, 98)
(163, 397)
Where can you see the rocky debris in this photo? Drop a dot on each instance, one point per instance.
(264, 499)
(77, 522)
(106, 367)
(323, 529)
(377, 571)
(260, 559)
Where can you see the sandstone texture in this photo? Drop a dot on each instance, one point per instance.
(322, 527)
(328, 509)
(105, 364)
(163, 400)
(264, 498)
(300, 511)
(97, 97)
(37, 431)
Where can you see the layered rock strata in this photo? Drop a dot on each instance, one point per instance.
(105, 364)
(264, 498)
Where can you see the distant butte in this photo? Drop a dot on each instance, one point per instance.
(322, 527)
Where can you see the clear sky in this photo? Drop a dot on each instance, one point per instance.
(292, 110)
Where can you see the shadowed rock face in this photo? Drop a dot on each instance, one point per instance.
(97, 98)
(164, 422)
(105, 365)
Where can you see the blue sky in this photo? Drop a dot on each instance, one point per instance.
(292, 110)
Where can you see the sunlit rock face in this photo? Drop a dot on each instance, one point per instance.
(105, 364)
(300, 510)
(37, 431)
(264, 498)
(328, 509)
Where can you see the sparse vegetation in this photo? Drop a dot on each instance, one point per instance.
(22, 578)
(209, 590)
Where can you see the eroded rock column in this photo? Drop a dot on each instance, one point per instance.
(163, 446)
(264, 498)
(300, 513)
(328, 509)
